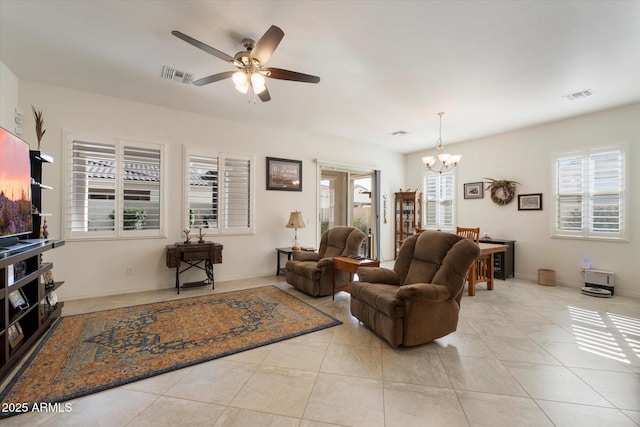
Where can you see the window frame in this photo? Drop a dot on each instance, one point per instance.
(119, 144)
(222, 156)
(587, 193)
(439, 200)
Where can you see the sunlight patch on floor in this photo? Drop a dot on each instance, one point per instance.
(595, 337)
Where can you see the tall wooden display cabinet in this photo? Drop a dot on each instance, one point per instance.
(408, 216)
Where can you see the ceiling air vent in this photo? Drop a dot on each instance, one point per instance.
(579, 95)
(171, 73)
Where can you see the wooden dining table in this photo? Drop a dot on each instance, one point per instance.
(482, 269)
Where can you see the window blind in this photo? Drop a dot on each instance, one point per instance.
(439, 191)
(220, 192)
(92, 188)
(203, 191)
(113, 188)
(590, 194)
(237, 195)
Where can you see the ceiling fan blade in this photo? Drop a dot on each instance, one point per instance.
(279, 73)
(213, 78)
(203, 46)
(267, 44)
(264, 95)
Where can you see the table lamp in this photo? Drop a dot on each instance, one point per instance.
(295, 222)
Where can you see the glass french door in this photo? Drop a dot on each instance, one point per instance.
(348, 197)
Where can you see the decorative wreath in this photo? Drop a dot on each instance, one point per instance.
(502, 191)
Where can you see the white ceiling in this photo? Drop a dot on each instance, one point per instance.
(491, 66)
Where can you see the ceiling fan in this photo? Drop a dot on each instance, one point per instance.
(250, 63)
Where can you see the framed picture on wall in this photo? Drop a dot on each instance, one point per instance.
(284, 174)
(530, 202)
(473, 190)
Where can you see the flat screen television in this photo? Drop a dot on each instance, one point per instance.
(15, 187)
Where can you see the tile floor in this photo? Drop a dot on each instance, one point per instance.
(523, 355)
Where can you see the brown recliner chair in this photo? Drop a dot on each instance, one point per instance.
(312, 272)
(419, 300)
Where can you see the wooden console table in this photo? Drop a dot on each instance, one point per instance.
(194, 254)
(350, 265)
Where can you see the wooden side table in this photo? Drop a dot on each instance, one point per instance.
(288, 252)
(349, 265)
(193, 254)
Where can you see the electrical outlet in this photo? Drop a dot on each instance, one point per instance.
(131, 271)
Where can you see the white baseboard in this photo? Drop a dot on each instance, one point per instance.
(578, 285)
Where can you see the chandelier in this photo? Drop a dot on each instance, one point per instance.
(447, 161)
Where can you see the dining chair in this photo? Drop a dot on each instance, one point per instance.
(481, 269)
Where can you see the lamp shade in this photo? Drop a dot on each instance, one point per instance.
(295, 220)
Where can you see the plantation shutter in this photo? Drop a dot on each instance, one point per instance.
(237, 203)
(446, 213)
(439, 191)
(569, 193)
(431, 200)
(203, 191)
(113, 188)
(92, 188)
(141, 188)
(606, 201)
(590, 193)
(220, 192)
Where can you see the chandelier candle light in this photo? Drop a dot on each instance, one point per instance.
(447, 161)
(295, 222)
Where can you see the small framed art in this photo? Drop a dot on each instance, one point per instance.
(18, 300)
(15, 334)
(473, 190)
(47, 278)
(530, 202)
(284, 174)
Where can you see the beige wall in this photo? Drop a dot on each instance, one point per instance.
(525, 156)
(100, 267)
(8, 98)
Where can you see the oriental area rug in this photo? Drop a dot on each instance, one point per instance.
(87, 353)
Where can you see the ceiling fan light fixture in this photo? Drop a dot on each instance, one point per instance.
(257, 82)
(249, 78)
(243, 87)
(239, 78)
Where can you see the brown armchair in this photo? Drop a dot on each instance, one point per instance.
(419, 300)
(312, 272)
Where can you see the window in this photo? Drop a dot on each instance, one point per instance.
(114, 188)
(439, 197)
(219, 192)
(590, 194)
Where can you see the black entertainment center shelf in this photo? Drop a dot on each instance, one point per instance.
(21, 246)
(28, 306)
(27, 314)
(45, 187)
(43, 157)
